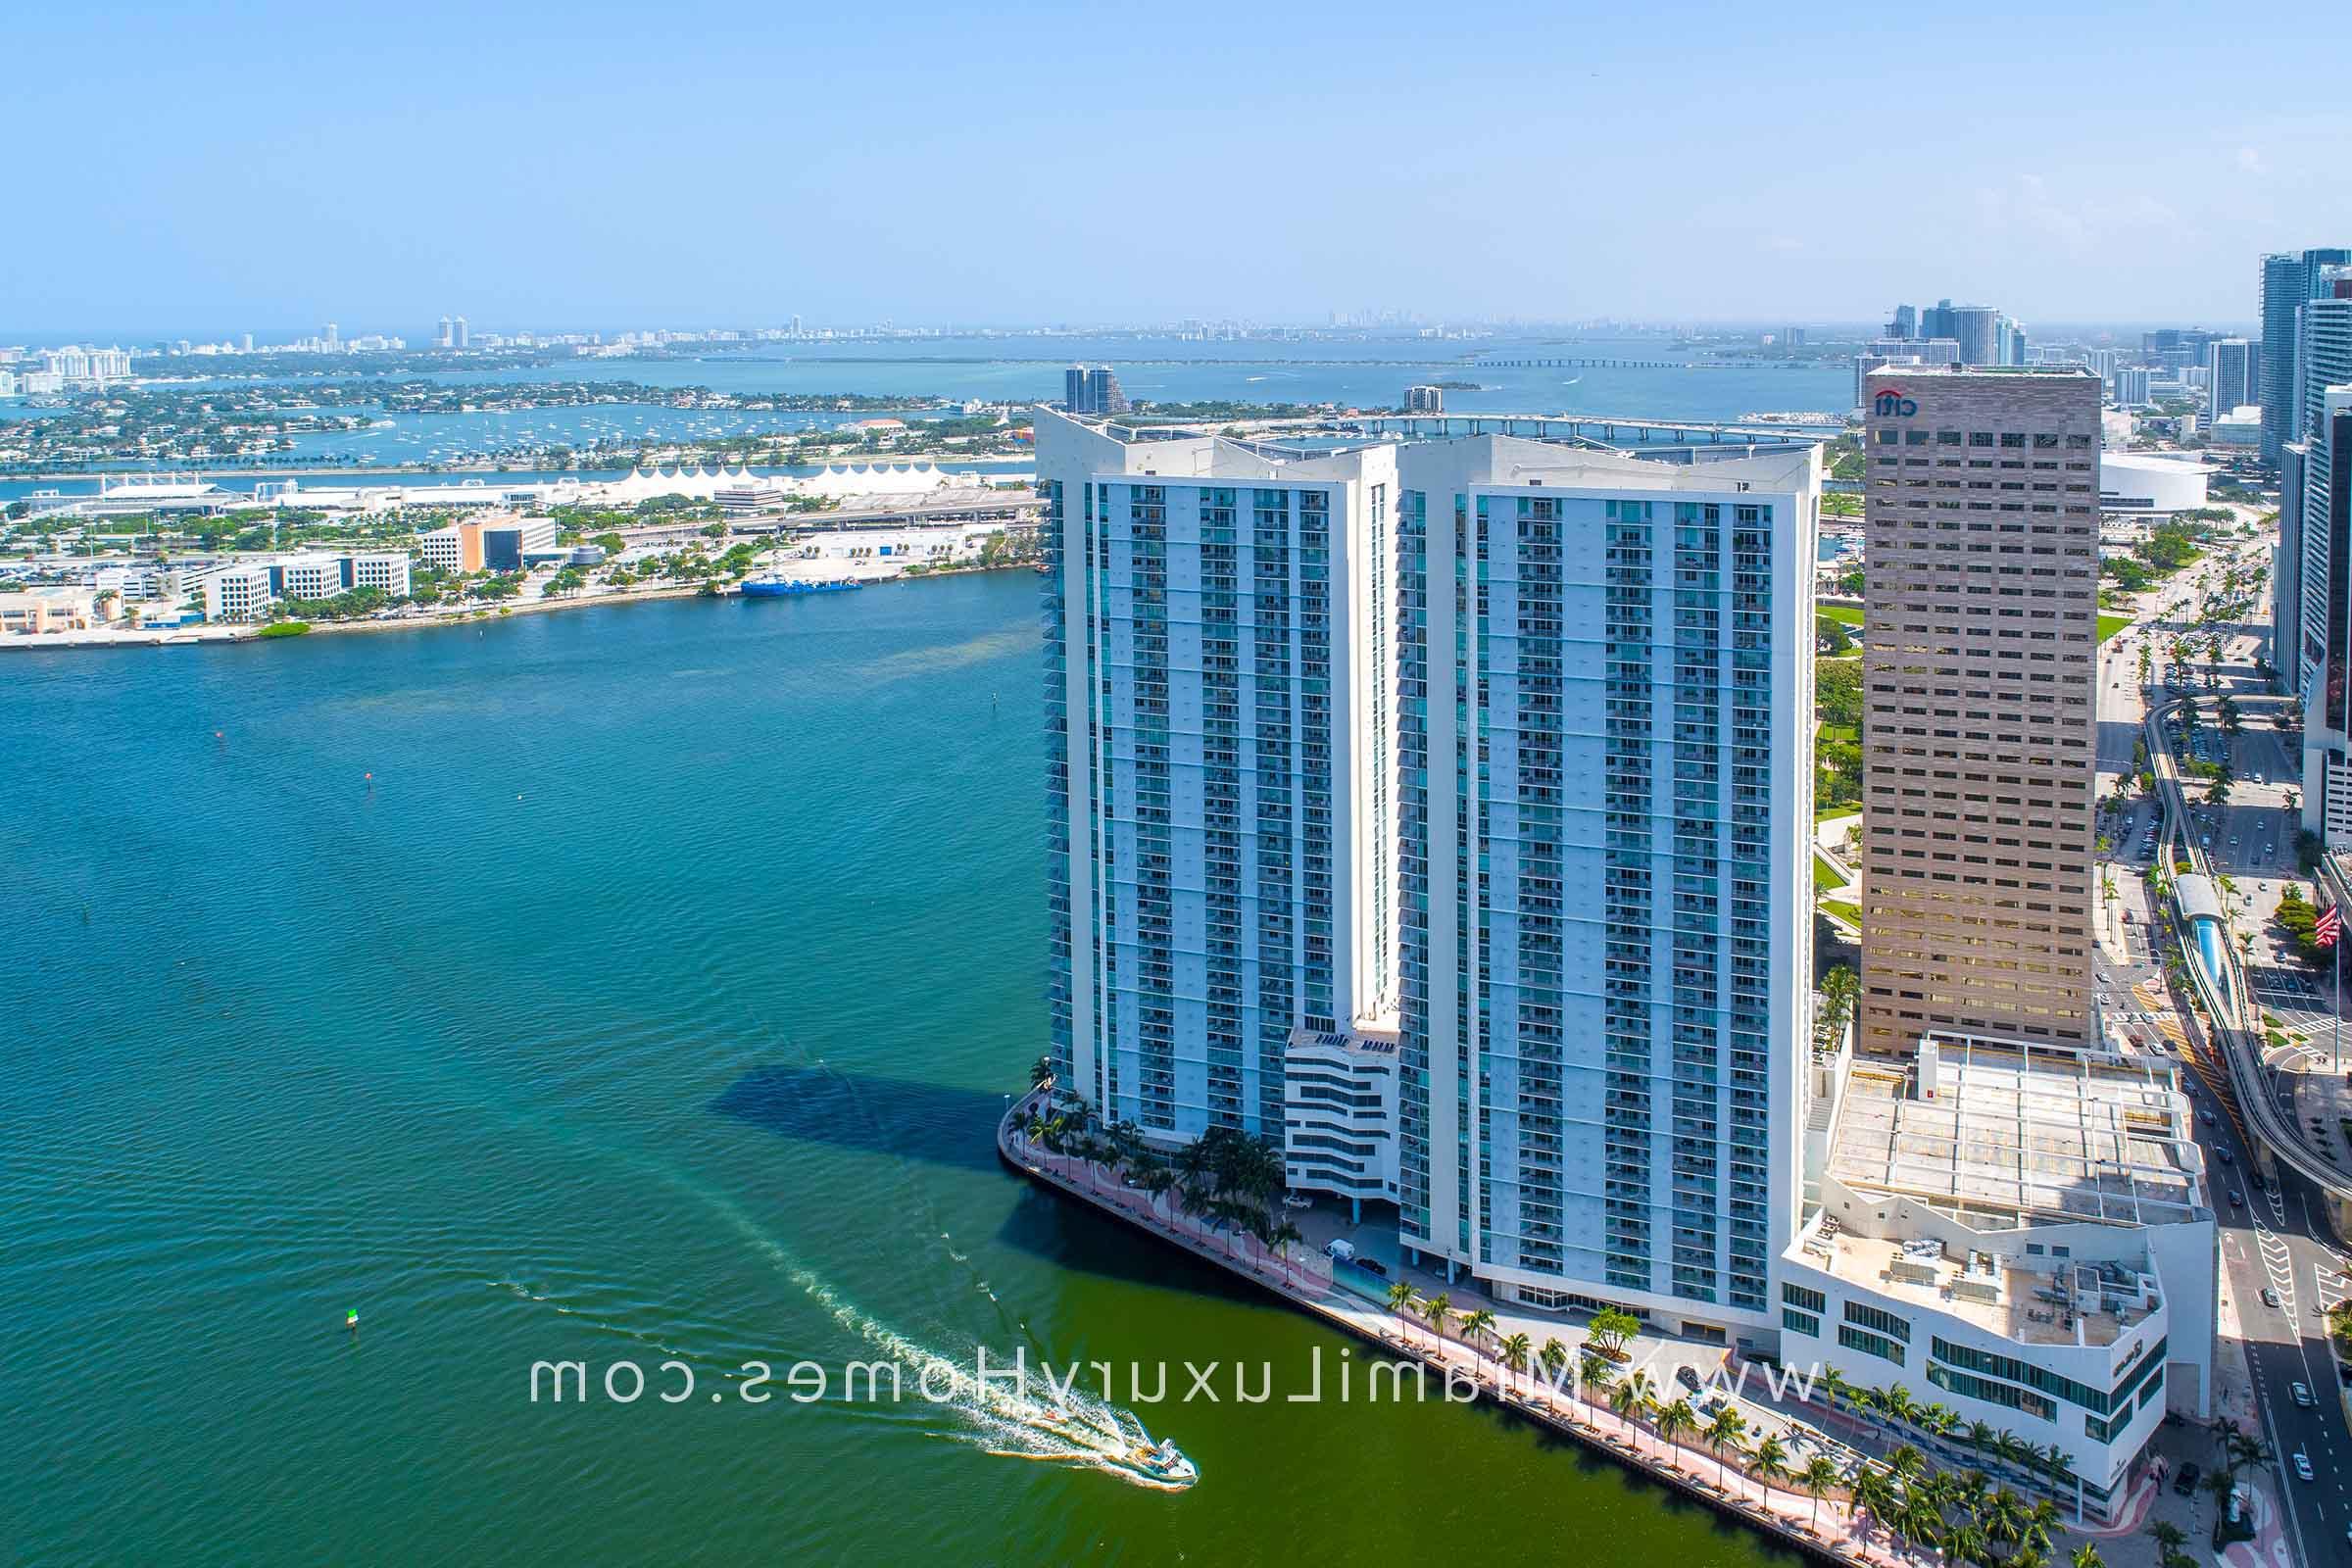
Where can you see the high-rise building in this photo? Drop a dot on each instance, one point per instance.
(1425, 400)
(1882, 351)
(1559, 920)
(1093, 389)
(2326, 455)
(1792, 337)
(457, 331)
(2132, 387)
(1220, 712)
(248, 342)
(1937, 320)
(1977, 327)
(1905, 323)
(445, 336)
(334, 338)
(2288, 280)
(1605, 779)
(2316, 470)
(1981, 519)
(2233, 376)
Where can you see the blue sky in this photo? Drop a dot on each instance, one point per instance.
(273, 167)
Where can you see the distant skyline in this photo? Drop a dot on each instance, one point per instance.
(272, 168)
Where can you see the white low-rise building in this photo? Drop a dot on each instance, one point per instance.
(240, 590)
(237, 591)
(2151, 482)
(2020, 1233)
(1338, 1093)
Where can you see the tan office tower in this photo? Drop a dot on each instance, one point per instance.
(1979, 669)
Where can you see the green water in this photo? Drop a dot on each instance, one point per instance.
(651, 1001)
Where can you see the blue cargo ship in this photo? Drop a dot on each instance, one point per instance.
(779, 587)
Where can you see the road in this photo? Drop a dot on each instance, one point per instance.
(2274, 1236)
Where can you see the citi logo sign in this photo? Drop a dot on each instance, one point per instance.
(1893, 404)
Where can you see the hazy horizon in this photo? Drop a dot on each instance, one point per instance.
(277, 166)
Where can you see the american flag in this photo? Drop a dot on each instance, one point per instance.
(2325, 928)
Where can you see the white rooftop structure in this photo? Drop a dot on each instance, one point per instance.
(2003, 1133)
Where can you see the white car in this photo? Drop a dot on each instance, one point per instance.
(2302, 1392)
(2302, 1465)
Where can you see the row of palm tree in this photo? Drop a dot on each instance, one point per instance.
(1960, 1516)
(1895, 1404)
(1963, 1516)
(1224, 1177)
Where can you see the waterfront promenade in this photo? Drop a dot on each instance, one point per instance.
(1824, 1527)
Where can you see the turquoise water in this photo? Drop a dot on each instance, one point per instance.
(652, 1000)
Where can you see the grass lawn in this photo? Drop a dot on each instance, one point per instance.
(1845, 613)
(1850, 913)
(1833, 814)
(1845, 733)
(1825, 875)
(2109, 625)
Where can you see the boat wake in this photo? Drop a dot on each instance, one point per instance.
(1050, 1427)
(1044, 1424)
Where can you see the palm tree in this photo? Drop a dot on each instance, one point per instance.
(1401, 1302)
(1833, 1384)
(1554, 1355)
(1436, 1311)
(1874, 1497)
(1476, 1325)
(1626, 1398)
(1041, 1072)
(1898, 1401)
(1980, 1435)
(1769, 1464)
(1672, 1421)
(1515, 1351)
(1906, 1462)
(2006, 1520)
(2086, 1555)
(2029, 1557)
(1279, 1239)
(1818, 1477)
(1723, 1431)
(2167, 1535)
(2041, 1520)
(1965, 1542)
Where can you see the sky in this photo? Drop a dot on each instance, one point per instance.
(201, 171)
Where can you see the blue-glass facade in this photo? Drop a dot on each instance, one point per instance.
(1598, 1036)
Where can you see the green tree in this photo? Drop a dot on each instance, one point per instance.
(1515, 1352)
(1723, 1433)
(1818, 1477)
(1837, 693)
(1611, 1327)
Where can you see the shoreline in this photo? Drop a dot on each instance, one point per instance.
(1784, 1516)
(239, 635)
(1629, 1444)
(359, 476)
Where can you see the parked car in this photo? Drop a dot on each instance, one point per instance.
(1373, 1265)
(1687, 1377)
(2185, 1482)
(2269, 1298)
